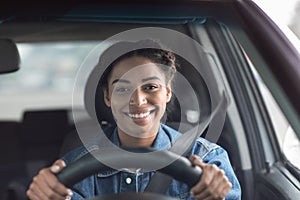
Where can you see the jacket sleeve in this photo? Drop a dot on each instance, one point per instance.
(212, 153)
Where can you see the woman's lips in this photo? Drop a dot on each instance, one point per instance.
(140, 118)
(139, 115)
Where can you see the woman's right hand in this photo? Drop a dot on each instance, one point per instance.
(45, 185)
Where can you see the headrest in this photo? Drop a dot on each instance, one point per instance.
(44, 126)
(9, 56)
(94, 99)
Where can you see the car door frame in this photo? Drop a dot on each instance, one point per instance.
(269, 177)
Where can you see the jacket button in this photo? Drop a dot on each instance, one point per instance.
(128, 180)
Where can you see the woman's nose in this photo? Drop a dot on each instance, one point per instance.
(138, 98)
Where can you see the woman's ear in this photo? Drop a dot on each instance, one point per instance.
(106, 97)
(169, 93)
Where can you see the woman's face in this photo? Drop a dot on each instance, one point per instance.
(137, 94)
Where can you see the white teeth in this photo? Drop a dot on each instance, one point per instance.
(141, 115)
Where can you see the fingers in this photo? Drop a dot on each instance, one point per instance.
(201, 188)
(196, 160)
(57, 166)
(46, 186)
(214, 184)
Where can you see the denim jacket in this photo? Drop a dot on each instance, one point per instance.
(113, 181)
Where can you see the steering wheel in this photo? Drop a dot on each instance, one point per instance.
(180, 169)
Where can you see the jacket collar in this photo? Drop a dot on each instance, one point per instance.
(163, 141)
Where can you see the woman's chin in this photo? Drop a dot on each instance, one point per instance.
(139, 131)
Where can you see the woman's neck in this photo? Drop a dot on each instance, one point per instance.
(127, 140)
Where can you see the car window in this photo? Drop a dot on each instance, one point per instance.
(287, 139)
(45, 79)
(286, 15)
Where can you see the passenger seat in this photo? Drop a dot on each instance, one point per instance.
(12, 168)
(42, 133)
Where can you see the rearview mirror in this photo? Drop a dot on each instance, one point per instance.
(9, 56)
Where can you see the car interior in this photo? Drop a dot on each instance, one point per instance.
(42, 135)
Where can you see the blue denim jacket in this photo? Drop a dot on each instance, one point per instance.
(114, 181)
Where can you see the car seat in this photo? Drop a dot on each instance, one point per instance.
(41, 137)
(12, 166)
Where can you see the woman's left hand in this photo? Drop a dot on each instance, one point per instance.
(213, 184)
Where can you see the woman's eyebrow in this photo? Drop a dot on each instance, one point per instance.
(120, 80)
(143, 80)
(150, 78)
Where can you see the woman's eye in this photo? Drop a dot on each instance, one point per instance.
(122, 90)
(150, 87)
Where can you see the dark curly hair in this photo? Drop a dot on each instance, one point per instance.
(144, 48)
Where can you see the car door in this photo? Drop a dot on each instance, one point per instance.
(268, 174)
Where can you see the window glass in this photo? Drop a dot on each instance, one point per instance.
(284, 12)
(287, 138)
(45, 79)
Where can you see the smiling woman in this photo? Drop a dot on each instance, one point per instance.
(147, 94)
(137, 78)
(50, 102)
(137, 88)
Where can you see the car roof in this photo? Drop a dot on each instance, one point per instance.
(45, 16)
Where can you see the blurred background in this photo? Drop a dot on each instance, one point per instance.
(284, 12)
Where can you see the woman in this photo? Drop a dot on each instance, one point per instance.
(137, 88)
